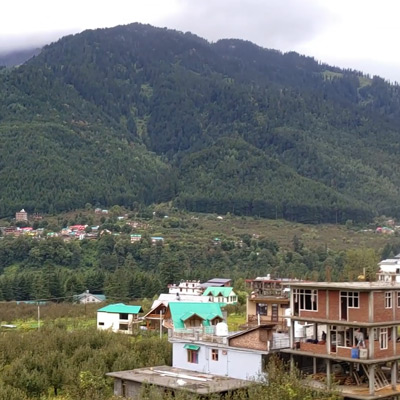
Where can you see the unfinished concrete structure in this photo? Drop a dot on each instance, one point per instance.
(352, 335)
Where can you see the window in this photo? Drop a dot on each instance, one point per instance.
(398, 299)
(101, 323)
(383, 338)
(307, 299)
(388, 300)
(214, 354)
(193, 356)
(123, 316)
(123, 327)
(261, 309)
(353, 299)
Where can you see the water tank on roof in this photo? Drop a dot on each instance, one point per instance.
(221, 329)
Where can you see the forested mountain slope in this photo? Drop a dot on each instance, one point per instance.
(143, 114)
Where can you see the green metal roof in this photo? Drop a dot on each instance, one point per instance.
(191, 347)
(218, 291)
(121, 308)
(181, 311)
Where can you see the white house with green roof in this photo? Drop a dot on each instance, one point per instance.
(224, 295)
(118, 317)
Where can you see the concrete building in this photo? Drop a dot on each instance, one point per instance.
(186, 287)
(224, 295)
(269, 301)
(21, 216)
(353, 335)
(118, 318)
(389, 270)
(129, 384)
(201, 342)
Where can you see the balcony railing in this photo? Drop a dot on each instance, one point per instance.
(203, 333)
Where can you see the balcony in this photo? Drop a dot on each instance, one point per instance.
(201, 333)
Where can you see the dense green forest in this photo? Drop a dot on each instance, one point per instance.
(138, 114)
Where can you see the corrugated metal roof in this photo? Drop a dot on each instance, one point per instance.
(181, 310)
(218, 291)
(121, 308)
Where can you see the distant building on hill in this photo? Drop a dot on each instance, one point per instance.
(21, 216)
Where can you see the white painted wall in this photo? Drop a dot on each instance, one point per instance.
(235, 363)
(112, 321)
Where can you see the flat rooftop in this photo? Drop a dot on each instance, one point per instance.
(367, 286)
(178, 378)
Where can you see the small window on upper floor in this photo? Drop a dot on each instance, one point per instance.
(388, 300)
(214, 354)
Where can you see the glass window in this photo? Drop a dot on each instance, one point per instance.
(383, 338)
(307, 299)
(388, 300)
(214, 354)
(193, 356)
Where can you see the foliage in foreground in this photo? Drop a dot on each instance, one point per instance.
(71, 365)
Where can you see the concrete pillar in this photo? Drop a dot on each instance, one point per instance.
(314, 363)
(328, 373)
(371, 378)
(291, 363)
(328, 339)
(315, 331)
(394, 374)
(371, 335)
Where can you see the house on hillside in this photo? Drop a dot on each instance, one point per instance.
(118, 317)
(269, 301)
(389, 269)
(350, 334)
(159, 307)
(186, 287)
(201, 342)
(224, 295)
(89, 298)
(21, 216)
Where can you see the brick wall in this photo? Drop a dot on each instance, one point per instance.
(382, 314)
(378, 353)
(360, 314)
(250, 340)
(343, 351)
(313, 348)
(334, 304)
(321, 308)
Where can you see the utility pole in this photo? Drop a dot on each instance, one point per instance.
(161, 312)
(38, 315)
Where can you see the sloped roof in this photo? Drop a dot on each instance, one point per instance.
(180, 311)
(218, 291)
(121, 308)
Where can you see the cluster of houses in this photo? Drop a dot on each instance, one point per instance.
(342, 334)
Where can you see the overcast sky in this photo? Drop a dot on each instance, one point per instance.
(357, 34)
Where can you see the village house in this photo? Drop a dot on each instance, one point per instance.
(350, 332)
(224, 295)
(186, 287)
(21, 216)
(389, 269)
(136, 238)
(269, 301)
(129, 384)
(118, 318)
(89, 298)
(155, 316)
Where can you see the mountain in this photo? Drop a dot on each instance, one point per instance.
(17, 57)
(143, 114)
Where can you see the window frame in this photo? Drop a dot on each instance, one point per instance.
(383, 338)
(192, 356)
(214, 354)
(388, 300)
(353, 298)
(307, 298)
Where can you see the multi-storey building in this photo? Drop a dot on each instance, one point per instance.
(351, 332)
(21, 216)
(268, 301)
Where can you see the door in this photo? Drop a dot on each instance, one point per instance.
(274, 313)
(343, 308)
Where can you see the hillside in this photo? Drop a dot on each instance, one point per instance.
(143, 114)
